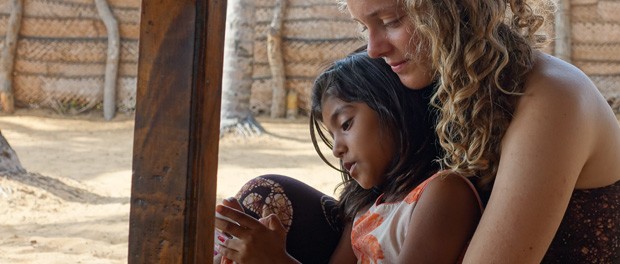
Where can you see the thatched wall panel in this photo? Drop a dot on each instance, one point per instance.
(64, 9)
(321, 29)
(73, 28)
(260, 101)
(584, 13)
(305, 13)
(318, 52)
(5, 7)
(71, 69)
(260, 96)
(4, 21)
(261, 71)
(78, 50)
(607, 84)
(45, 91)
(303, 70)
(264, 3)
(599, 68)
(609, 10)
(112, 3)
(595, 33)
(583, 2)
(592, 52)
(292, 70)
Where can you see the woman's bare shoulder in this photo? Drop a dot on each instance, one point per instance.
(566, 97)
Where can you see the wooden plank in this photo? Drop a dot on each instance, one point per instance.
(205, 131)
(176, 132)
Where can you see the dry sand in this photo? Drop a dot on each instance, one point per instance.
(73, 204)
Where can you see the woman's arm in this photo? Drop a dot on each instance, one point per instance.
(543, 152)
(344, 250)
(442, 222)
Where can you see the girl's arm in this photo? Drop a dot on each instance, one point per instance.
(255, 241)
(442, 222)
(344, 251)
(543, 152)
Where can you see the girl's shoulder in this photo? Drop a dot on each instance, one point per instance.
(440, 184)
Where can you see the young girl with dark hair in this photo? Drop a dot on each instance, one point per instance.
(394, 205)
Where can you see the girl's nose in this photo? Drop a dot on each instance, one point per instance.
(339, 148)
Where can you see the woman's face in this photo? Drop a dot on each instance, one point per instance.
(389, 34)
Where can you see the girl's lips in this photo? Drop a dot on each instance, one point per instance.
(348, 166)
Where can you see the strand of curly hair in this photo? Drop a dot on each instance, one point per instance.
(481, 54)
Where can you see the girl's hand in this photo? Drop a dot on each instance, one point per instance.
(254, 241)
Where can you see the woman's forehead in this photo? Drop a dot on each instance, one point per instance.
(363, 9)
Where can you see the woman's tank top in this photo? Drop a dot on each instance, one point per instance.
(590, 229)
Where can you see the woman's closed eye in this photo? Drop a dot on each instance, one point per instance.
(393, 22)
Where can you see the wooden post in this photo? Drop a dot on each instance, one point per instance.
(7, 58)
(276, 62)
(176, 131)
(111, 68)
(563, 31)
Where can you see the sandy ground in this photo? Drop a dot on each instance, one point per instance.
(73, 204)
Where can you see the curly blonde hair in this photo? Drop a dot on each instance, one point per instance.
(481, 51)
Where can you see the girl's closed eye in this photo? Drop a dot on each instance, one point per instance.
(347, 124)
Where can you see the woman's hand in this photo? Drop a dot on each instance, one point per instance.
(253, 241)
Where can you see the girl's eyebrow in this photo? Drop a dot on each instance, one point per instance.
(334, 116)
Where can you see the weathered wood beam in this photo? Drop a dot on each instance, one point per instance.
(176, 131)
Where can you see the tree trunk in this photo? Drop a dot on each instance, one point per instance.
(236, 115)
(276, 63)
(563, 31)
(111, 69)
(7, 58)
(9, 163)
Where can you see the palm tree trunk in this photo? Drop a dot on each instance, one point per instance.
(236, 115)
(7, 58)
(9, 163)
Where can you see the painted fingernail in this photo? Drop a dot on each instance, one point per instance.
(221, 238)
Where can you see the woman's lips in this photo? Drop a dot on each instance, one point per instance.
(399, 66)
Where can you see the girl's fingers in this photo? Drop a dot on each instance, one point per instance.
(245, 221)
(232, 202)
(228, 254)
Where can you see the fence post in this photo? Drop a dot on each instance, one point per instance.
(7, 58)
(111, 68)
(276, 63)
(563, 31)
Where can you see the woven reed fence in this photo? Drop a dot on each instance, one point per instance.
(596, 44)
(61, 54)
(314, 33)
(62, 49)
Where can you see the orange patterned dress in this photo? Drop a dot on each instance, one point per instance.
(379, 233)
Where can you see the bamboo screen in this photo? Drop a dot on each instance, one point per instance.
(62, 45)
(61, 54)
(314, 33)
(596, 44)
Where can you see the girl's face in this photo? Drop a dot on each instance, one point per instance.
(364, 148)
(389, 35)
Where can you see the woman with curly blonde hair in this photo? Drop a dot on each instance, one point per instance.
(529, 128)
